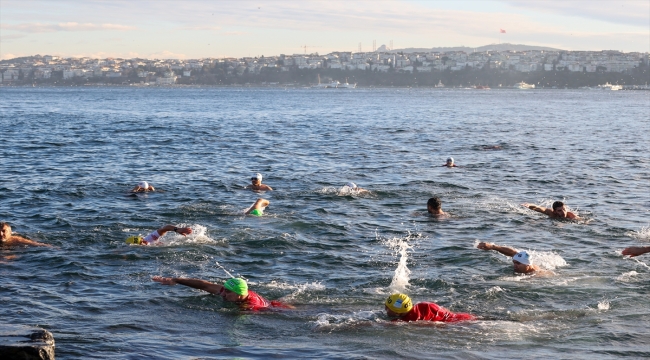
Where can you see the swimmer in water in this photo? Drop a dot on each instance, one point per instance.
(256, 184)
(257, 209)
(143, 186)
(355, 189)
(434, 207)
(450, 162)
(400, 308)
(636, 250)
(7, 238)
(559, 211)
(233, 290)
(154, 236)
(520, 259)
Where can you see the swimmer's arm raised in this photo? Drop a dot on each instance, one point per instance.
(183, 231)
(193, 283)
(541, 209)
(636, 250)
(505, 250)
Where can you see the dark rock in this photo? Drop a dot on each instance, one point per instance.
(25, 343)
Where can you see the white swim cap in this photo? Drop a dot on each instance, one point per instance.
(523, 258)
(258, 176)
(450, 160)
(351, 185)
(143, 184)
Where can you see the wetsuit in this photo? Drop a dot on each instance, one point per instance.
(433, 312)
(255, 302)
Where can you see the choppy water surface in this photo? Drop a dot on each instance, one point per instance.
(69, 156)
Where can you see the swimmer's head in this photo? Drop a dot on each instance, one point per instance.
(559, 209)
(237, 285)
(257, 178)
(5, 232)
(398, 304)
(351, 185)
(134, 240)
(143, 184)
(450, 160)
(434, 205)
(522, 257)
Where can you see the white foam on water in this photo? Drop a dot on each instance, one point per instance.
(493, 290)
(328, 190)
(642, 234)
(547, 259)
(603, 305)
(330, 322)
(198, 236)
(625, 277)
(296, 289)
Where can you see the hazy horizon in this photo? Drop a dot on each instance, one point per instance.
(199, 29)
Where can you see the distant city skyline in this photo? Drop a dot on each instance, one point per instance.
(200, 29)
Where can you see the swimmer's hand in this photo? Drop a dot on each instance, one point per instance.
(164, 280)
(485, 246)
(184, 231)
(636, 250)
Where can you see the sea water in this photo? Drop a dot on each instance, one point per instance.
(69, 156)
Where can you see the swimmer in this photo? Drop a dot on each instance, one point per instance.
(450, 162)
(257, 209)
(559, 211)
(9, 239)
(636, 250)
(233, 290)
(520, 259)
(143, 186)
(256, 184)
(434, 207)
(354, 188)
(400, 308)
(154, 236)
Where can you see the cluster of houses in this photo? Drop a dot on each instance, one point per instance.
(167, 72)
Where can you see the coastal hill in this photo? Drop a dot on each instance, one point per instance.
(491, 47)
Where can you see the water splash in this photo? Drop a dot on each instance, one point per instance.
(198, 236)
(547, 259)
(603, 305)
(642, 234)
(224, 269)
(400, 246)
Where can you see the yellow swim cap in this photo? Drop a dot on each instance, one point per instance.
(399, 303)
(135, 240)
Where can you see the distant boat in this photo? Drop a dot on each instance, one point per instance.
(481, 87)
(333, 84)
(319, 85)
(347, 85)
(440, 84)
(608, 86)
(522, 85)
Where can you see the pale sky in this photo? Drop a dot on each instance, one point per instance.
(191, 29)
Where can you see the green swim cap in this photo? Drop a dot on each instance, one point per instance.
(256, 212)
(237, 285)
